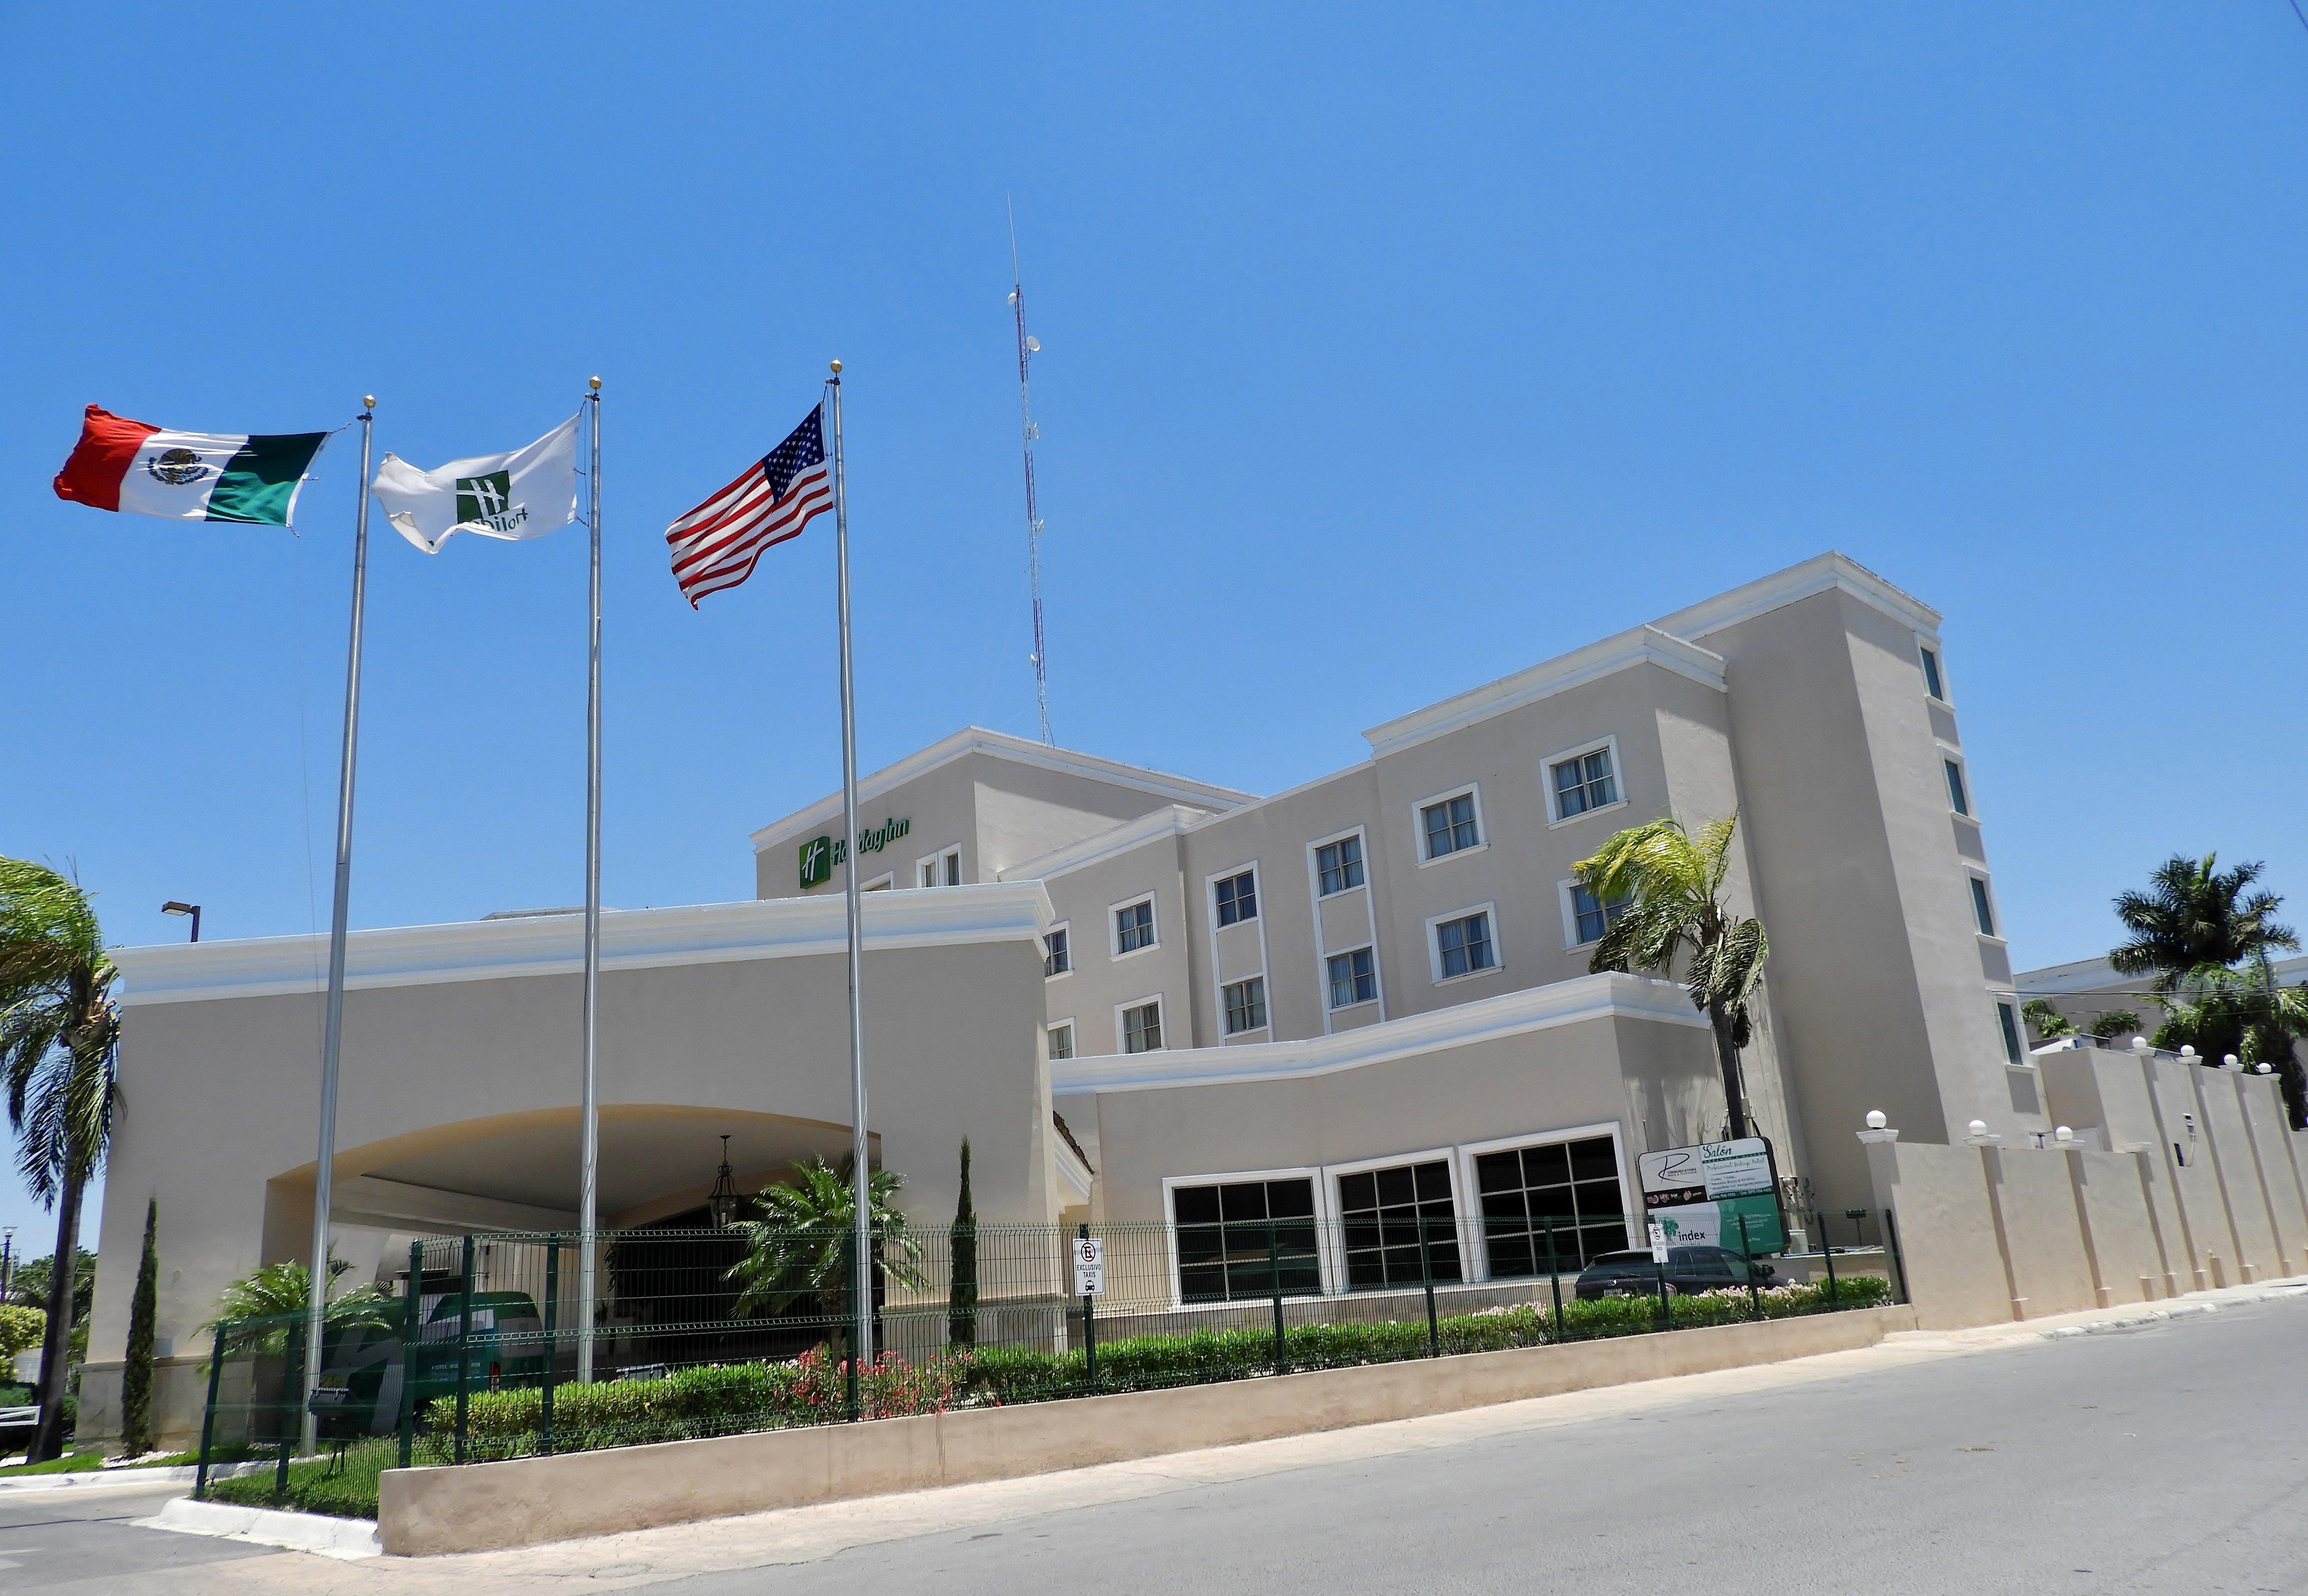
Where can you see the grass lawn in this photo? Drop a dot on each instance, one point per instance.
(70, 1462)
(317, 1484)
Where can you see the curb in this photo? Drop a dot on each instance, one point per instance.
(344, 1538)
(2148, 1320)
(96, 1479)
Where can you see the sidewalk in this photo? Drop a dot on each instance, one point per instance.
(807, 1534)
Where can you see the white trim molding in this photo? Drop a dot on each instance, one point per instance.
(1018, 750)
(554, 945)
(1822, 573)
(1644, 645)
(1510, 1014)
(1106, 844)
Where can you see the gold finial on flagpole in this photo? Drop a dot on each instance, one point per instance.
(368, 401)
(594, 384)
(836, 368)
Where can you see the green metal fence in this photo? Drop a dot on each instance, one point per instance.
(473, 1355)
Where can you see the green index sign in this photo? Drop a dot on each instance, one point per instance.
(819, 855)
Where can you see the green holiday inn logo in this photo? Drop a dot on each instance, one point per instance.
(486, 500)
(819, 855)
(816, 862)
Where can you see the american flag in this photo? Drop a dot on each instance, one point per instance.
(715, 545)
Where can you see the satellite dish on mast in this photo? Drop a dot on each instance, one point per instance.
(1033, 346)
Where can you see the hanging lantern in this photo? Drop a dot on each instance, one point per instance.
(724, 1203)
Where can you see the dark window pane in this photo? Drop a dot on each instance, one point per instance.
(1593, 1159)
(1396, 1185)
(1358, 1191)
(1434, 1181)
(1195, 1205)
(1292, 1199)
(1245, 1200)
(1546, 1166)
(1497, 1171)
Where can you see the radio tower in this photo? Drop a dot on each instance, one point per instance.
(1027, 348)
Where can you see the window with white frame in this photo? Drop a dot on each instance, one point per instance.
(880, 885)
(2015, 1050)
(1238, 1239)
(1133, 926)
(1981, 910)
(1449, 825)
(1383, 1216)
(1339, 866)
(1062, 1039)
(1590, 916)
(1959, 795)
(1932, 682)
(942, 869)
(1582, 782)
(1353, 977)
(1245, 1005)
(1558, 1201)
(1057, 952)
(1142, 1027)
(1463, 945)
(1237, 897)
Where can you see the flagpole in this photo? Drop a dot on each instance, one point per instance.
(861, 1288)
(587, 1216)
(316, 1301)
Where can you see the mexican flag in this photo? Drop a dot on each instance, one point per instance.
(119, 464)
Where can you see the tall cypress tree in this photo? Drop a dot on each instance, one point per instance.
(961, 1298)
(137, 1378)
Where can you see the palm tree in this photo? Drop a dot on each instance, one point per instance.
(2207, 940)
(1671, 884)
(2194, 914)
(59, 1056)
(802, 1245)
(258, 1311)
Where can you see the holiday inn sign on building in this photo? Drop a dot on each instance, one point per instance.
(819, 855)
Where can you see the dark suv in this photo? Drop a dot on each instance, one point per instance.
(1689, 1269)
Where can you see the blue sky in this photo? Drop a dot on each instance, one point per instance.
(1385, 352)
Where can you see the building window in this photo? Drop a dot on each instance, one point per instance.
(1584, 782)
(1238, 1242)
(1979, 909)
(1141, 1028)
(882, 884)
(1061, 1041)
(1381, 1212)
(945, 871)
(1450, 825)
(1238, 898)
(1590, 916)
(1354, 979)
(1340, 864)
(1133, 926)
(1932, 684)
(1568, 1188)
(1957, 794)
(1463, 946)
(1057, 955)
(1245, 1005)
(2014, 1051)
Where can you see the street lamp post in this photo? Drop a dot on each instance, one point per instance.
(7, 1261)
(180, 909)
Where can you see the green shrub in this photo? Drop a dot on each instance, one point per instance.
(21, 1330)
(729, 1399)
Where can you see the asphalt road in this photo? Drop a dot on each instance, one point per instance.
(48, 1537)
(2171, 1459)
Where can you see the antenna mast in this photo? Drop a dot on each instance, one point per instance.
(1027, 348)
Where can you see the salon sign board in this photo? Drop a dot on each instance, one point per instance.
(1698, 1194)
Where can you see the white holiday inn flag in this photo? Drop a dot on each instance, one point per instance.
(525, 493)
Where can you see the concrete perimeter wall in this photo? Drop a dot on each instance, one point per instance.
(529, 1501)
(2181, 1177)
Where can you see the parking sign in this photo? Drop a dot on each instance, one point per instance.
(1090, 1266)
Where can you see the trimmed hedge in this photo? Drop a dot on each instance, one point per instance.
(736, 1398)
